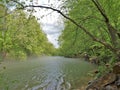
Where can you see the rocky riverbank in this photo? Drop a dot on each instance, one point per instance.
(108, 81)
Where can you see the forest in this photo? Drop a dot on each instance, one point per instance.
(91, 31)
(21, 35)
(97, 30)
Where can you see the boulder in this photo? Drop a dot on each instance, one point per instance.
(116, 68)
(101, 82)
(109, 81)
(110, 87)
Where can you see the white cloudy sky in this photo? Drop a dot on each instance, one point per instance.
(51, 22)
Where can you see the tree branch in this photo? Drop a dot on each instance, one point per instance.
(111, 29)
(101, 10)
(68, 18)
(74, 22)
(91, 17)
(18, 3)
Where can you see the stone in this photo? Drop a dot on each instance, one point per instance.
(111, 87)
(101, 82)
(117, 82)
(116, 68)
(109, 81)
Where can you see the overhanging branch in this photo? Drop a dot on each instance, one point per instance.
(111, 29)
(68, 18)
(74, 22)
(97, 4)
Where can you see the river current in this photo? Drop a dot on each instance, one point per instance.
(45, 73)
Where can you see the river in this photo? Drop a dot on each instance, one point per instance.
(44, 73)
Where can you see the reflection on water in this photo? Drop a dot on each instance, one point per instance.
(45, 73)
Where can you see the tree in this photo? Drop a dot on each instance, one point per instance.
(23, 36)
(97, 20)
(3, 11)
(92, 7)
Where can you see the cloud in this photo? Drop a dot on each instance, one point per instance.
(51, 22)
(54, 38)
(52, 28)
(53, 32)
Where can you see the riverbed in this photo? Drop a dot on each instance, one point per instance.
(45, 73)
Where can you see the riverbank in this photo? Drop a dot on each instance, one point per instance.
(108, 81)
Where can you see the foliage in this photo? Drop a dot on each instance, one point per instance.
(22, 36)
(74, 40)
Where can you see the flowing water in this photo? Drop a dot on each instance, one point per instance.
(44, 73)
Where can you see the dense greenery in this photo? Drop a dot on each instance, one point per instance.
(91, 30)
(92, 27)
(21, 36)
(101, 21)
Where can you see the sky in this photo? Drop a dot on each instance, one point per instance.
(51, 22)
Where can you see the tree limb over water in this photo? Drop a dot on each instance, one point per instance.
(71, 20)
(111, 30)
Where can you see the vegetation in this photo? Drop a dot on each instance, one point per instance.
(21, 36)
(92, 28)
(97, 31)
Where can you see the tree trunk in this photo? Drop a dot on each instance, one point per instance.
(113, 34)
